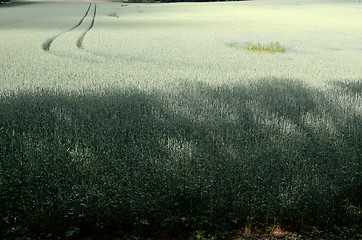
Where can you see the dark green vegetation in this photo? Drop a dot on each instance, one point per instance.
(203, 159)
(273, 47)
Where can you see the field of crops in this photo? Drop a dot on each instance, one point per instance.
(154, 119)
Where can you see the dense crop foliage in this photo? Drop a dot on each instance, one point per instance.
(150, 123)
(274, 152)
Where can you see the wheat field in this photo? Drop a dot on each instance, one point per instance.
(157, 119)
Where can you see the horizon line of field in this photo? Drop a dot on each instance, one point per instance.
(47, 44)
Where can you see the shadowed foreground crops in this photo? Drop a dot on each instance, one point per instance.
(203, 157)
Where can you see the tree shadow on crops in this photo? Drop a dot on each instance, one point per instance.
(352, 87)
(17, 4)
(273, 149)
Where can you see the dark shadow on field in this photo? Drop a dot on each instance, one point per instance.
(351, 87)
(275, 150)
(17, 4)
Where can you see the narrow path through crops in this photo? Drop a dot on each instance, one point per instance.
(80, 39)
(46, 45)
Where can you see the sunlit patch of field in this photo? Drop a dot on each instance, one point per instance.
(159, 119)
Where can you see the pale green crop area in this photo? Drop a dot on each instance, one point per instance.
(157, 116)
(157, 44)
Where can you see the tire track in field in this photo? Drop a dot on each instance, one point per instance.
(46, 45)
(79, 42)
